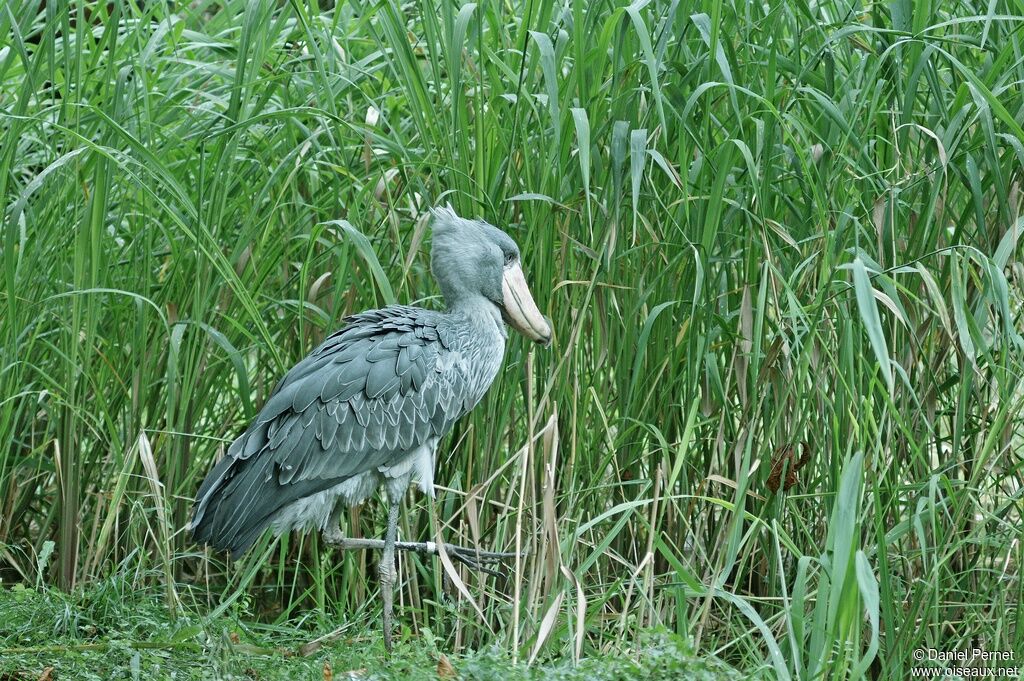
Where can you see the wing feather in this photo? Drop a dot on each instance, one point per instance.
(381, 380)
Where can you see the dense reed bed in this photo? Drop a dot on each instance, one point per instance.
(779, 242)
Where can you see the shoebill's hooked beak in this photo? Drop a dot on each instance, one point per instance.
(519, 309)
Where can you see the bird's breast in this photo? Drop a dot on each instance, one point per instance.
(478, 360)
(486, 360)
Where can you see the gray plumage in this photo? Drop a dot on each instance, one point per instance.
(369, 404)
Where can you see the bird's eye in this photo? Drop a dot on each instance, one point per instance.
(510, 258)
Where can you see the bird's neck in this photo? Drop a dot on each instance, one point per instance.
(480, 313)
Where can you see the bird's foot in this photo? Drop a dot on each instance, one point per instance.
(480, 561)
(474, 559)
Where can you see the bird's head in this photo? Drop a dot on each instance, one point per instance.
(470, 258)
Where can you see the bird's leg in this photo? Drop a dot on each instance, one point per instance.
(388, 573)
(332, 534)
(472, 558)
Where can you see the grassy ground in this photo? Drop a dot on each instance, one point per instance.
(112, 630)
(779, 242)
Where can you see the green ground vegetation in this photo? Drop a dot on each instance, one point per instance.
(114, 629)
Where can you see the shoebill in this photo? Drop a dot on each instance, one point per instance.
(367, 408)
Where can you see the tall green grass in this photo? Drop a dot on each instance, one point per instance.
(766, 233)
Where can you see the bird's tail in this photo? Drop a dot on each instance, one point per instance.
(240, 497)
(216, 520)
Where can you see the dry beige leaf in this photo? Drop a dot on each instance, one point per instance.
(445, 670)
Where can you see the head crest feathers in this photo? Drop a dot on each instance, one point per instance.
(444, 218)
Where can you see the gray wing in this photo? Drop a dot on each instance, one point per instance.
(382, 386)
